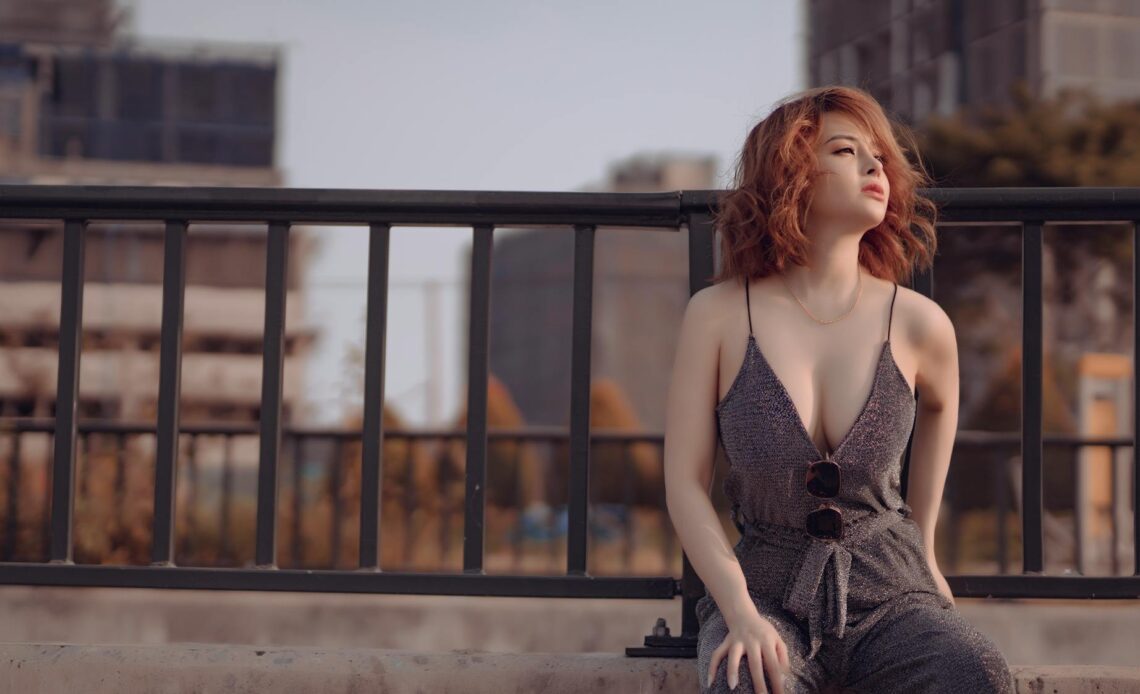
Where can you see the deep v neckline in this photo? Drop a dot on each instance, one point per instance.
(794, 411)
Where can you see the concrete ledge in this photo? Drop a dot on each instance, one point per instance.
(1029, 632)
(44, 667)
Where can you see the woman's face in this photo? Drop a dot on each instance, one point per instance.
(849, 162)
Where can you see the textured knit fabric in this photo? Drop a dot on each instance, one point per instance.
(863, 611)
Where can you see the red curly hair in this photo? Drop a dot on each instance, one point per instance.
(761, 218)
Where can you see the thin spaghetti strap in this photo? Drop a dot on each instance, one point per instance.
(748, 306)
(892, 313)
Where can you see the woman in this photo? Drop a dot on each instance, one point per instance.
(834, 580)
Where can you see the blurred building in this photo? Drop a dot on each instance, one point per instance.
(641, 287)
(82, 103)
(919, 57)
(80, 22)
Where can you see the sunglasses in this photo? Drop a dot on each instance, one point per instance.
(822, 480)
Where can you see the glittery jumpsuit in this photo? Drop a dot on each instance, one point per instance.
(862, 612)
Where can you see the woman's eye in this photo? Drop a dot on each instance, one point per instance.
(880, 157)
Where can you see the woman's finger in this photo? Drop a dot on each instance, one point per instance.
(775, 672)
(782, 654)
(717, 654)
(735, 651)
(756, 668)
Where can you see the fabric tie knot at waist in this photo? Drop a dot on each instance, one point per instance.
(817, 593)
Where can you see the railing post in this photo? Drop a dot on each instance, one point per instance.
(372, 441)
(169, 389)
(581, 338)
(478, 365)
(276, 268)
(67, 390)
(1032, 240)
(660, 642)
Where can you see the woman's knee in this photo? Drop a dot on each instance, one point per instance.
(971, 662)
(923, 648)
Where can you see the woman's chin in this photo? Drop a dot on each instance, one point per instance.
(872, 215)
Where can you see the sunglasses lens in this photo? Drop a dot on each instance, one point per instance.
(825, 523)
(823, 478)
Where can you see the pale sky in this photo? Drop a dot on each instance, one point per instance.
(484, 95)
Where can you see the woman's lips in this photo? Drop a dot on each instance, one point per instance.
(874, 193)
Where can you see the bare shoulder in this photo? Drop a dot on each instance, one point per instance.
(930, 335)
(925, 324)
(708, 307)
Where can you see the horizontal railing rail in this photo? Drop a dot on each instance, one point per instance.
(482, 211)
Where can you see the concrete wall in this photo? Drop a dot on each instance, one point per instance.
(1029, 632)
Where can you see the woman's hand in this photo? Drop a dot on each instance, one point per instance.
(756, 637)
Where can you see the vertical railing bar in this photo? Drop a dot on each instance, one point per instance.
(372, 448)
(478, 365)
(273, 363)
(169, 387)
(1031, 406)
(701, 268)
(67, 390)
(581, 339)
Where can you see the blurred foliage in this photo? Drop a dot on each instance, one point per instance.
(1073, 139)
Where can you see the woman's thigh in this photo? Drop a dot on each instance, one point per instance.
(918, 645)
(807, 676)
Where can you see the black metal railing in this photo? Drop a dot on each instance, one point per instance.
(114, 460)
(581, 213)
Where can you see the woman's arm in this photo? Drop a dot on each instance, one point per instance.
(937, 421)
(690, 449)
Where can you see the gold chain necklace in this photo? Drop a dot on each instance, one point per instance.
(825, 322)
